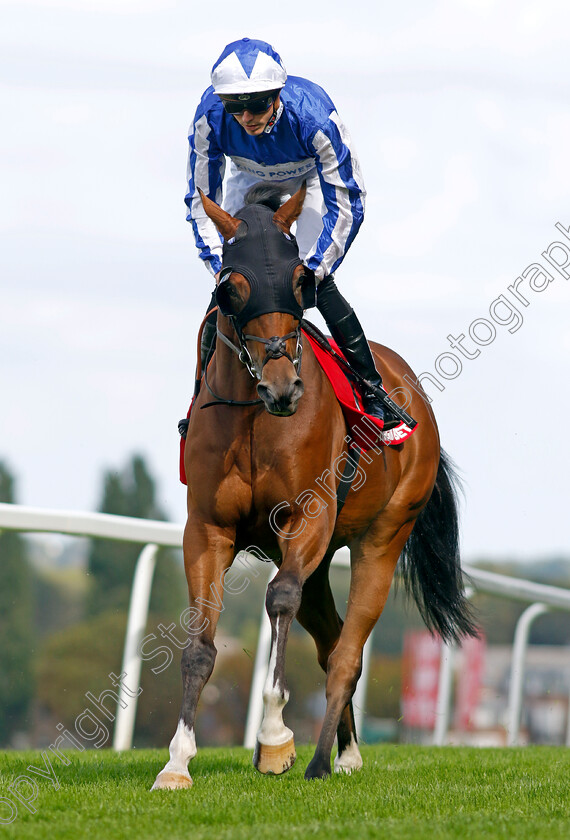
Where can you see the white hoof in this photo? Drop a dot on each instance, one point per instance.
(174, 774)
(168, 780)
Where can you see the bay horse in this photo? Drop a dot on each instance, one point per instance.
(265, 446)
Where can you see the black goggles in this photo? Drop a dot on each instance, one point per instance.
(255, 105)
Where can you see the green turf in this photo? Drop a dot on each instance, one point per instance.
(402, 792)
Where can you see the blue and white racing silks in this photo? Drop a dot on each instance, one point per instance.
(307, 141)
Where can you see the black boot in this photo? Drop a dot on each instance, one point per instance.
(348, 333)
(352, 342)
(207, 343)
(207, 347)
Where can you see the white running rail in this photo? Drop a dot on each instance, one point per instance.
(155, 534)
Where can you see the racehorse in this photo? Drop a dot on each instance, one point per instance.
(255, 464)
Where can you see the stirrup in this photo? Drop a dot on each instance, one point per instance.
(373, 405)
(183, 427)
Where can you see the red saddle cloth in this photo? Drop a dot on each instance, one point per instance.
(366, 431)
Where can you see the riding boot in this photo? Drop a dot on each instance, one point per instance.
(208, 342)
(207, 347)
(347, 331)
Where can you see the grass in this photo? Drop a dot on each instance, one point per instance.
(402, 792)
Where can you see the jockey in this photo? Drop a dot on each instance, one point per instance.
(281, 130)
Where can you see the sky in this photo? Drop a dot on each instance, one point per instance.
(459, 114)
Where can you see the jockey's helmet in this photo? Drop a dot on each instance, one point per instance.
(248, 66)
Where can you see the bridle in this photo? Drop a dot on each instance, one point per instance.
(275, 348)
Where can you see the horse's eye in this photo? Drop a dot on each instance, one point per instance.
(231, 297)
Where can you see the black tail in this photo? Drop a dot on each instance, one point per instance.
(430, 564)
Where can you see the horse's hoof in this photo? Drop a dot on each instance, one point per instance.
(168, 780)
(275, 760)
(317, 770)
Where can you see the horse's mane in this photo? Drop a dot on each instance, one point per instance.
(269, 195)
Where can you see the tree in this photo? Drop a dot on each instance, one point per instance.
(79, 659)
(16, 626)
(111, 563)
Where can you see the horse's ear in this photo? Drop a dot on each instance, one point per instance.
(291, 210)
(225, 223)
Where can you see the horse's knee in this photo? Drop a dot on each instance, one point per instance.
(283, 597)
(198, 659)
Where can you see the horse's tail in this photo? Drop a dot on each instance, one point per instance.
(430, 563)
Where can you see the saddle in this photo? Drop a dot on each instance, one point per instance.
(365, 430)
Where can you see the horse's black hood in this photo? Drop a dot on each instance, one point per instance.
(267, 258)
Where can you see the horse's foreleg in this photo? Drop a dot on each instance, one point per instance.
(318, 615)
(275, 747)
(373, 565)
(197, 664)
(208, 552)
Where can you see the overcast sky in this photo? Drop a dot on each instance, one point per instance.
(459, 112)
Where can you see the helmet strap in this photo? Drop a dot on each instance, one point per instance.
(277, 110)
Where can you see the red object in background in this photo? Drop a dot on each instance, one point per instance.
(420, 679)
(469, 682)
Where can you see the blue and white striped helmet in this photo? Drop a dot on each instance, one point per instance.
(248, 66)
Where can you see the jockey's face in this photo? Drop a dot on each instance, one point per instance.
(255, 124)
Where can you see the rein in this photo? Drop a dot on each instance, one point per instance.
(275, 348)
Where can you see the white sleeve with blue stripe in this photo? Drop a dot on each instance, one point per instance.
(308, 133)
(206, 167)
(343, 193)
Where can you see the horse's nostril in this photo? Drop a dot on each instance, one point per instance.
(298, 387)
(282, 401)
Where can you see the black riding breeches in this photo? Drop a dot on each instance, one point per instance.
(330, 303)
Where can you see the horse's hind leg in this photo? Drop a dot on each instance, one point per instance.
(275, 750)
(373, 563)
(318, 615)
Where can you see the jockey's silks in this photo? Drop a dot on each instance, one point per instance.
(308, 139)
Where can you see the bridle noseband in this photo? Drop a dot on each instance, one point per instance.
(275, 348)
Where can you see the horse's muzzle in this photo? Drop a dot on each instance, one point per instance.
(281, 401)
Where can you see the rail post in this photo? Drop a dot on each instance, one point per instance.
(359, 697)
(131, 668)
(255, 706)
(517, 670)
(444, 689)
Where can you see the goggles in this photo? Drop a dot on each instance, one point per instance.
(247, 102)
